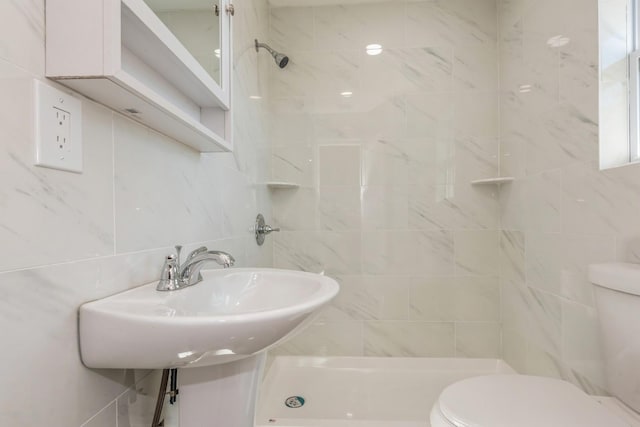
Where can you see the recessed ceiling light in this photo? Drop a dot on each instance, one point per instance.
(524, 88)
(374, 49)
(346, 94)
(558, 41)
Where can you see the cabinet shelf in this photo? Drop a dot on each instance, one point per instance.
(128, 60)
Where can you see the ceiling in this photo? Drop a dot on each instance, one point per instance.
(159, 5)
(306, 3)
(180, 4)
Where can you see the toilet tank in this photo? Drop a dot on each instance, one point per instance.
(617, 293)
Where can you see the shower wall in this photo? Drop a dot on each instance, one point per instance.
(561, 213)
(384, 148)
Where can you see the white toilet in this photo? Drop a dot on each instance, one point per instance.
(529, 401)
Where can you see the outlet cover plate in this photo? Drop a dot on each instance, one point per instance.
(58, 128)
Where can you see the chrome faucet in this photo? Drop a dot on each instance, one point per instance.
(175, 276)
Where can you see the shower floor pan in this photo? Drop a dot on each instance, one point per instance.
(361, 391)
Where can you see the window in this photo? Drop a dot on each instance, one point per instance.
(634, 82)
(619, 82)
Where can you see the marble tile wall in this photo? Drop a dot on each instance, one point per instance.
(561, 213)
(384, 148)
(70, 238)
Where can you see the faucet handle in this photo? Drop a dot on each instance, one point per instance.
(262, 229)
(178, 251)
(169, 275)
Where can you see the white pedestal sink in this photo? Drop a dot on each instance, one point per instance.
(228, 319)
(220, 395)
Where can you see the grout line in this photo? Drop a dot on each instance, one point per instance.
(113, 182)
(86, 423)
(142, 252)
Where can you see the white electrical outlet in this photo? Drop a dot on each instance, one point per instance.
(58, 129)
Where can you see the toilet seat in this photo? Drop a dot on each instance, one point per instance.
(519, 400)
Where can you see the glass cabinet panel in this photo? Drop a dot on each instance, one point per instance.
(196, 23)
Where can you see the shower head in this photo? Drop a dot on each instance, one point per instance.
(281, 59)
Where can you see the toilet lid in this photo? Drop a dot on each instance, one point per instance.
(523, 401)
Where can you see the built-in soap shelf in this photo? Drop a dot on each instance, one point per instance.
(281, 185)
(493, 181)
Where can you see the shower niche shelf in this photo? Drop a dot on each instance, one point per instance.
(120, 54)
(281, 185)
(493, 181)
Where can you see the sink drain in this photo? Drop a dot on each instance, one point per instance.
(294, 402)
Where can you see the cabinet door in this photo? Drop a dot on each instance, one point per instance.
(202, 26)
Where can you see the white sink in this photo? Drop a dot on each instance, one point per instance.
(230, 315)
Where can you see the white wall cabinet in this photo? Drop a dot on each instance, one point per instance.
(119, 53)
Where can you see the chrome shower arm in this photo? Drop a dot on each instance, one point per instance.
(265, 46)
(281, 59)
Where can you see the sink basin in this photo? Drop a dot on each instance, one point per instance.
(230, 315)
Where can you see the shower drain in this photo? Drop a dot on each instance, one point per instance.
(294, 402)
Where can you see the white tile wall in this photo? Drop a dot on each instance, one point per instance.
(562, 213)
(428, 118)
(384, 206)
(70, 238)
(385, 203)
